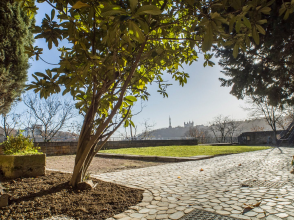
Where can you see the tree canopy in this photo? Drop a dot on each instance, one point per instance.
(119, 47)
(267, 68)
(15, 35)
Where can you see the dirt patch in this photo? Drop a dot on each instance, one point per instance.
(98, 165)
(49, 195)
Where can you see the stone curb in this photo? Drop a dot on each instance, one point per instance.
(153, 158)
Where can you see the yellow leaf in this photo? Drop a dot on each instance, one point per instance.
(79, 5)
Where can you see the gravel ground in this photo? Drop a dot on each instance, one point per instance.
(98, 165)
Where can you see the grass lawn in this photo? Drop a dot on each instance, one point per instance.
(185, 151)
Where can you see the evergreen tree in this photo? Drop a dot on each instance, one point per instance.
(15, 35)
(265, 69)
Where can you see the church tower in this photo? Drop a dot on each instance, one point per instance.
(170, 123)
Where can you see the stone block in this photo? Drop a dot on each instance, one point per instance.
(4, 200)
(166, 159)
(14, 166)
(3, 197)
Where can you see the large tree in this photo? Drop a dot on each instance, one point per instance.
(266, 67)
(224, 127)
(15, 34)
(52, 114)
(259, 107)
(121, 46)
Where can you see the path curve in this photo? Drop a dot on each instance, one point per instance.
(173, 190)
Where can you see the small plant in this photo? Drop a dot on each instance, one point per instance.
(19, 145)
(87, 176)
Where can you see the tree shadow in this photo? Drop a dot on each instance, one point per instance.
(52, 190)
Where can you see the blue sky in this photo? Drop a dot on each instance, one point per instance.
(199, 100)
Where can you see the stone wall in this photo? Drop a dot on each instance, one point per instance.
(64, 148)
(258, 138)
(146, 143)
(57, 148)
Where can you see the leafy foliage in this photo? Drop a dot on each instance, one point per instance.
(15, 35)
(19, 145)
(264, 69)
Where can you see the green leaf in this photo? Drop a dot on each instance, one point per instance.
(131, 98)
(210, 63)
(52, 14)
(126, 123)
(36, 78)
(260, 29)
(282, 10)
(265, 10)
(149, 9)
(236, 50)
(205, 63)
(65, 91)
(79, 5)
(144, 26)
(263, 21)
(50, 44)
(47, 17)
(132, 123)
(49, 73)
(112, 10)
(133, 4)
(137, 31)
(238, 25)
(42, 75)
(287, 14)
(255, 35)
(246, 22)
(208, 38)
(231, 24)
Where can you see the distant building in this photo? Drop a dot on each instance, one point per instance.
(188, 124)
(33, 131)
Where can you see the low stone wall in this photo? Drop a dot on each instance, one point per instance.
(63, 148)
(57, 148)
(67, 148)
(146, 143)
(258, 138)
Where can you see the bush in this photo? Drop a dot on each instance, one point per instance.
(19, 145)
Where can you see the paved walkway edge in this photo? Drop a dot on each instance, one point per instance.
(153, 158)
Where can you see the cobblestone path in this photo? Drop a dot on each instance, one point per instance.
(214, 185)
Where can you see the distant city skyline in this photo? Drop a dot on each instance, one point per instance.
(200, 100)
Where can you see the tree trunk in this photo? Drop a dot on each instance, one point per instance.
(86, 144)
(275, 138)
(4, 126)
(82, 165)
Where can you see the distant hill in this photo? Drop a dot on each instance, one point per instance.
(179, 132)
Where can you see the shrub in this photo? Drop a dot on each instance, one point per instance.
(19, 145)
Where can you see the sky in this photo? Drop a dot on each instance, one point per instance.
(200, 100)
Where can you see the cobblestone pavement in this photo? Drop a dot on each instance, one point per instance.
(215, 185)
